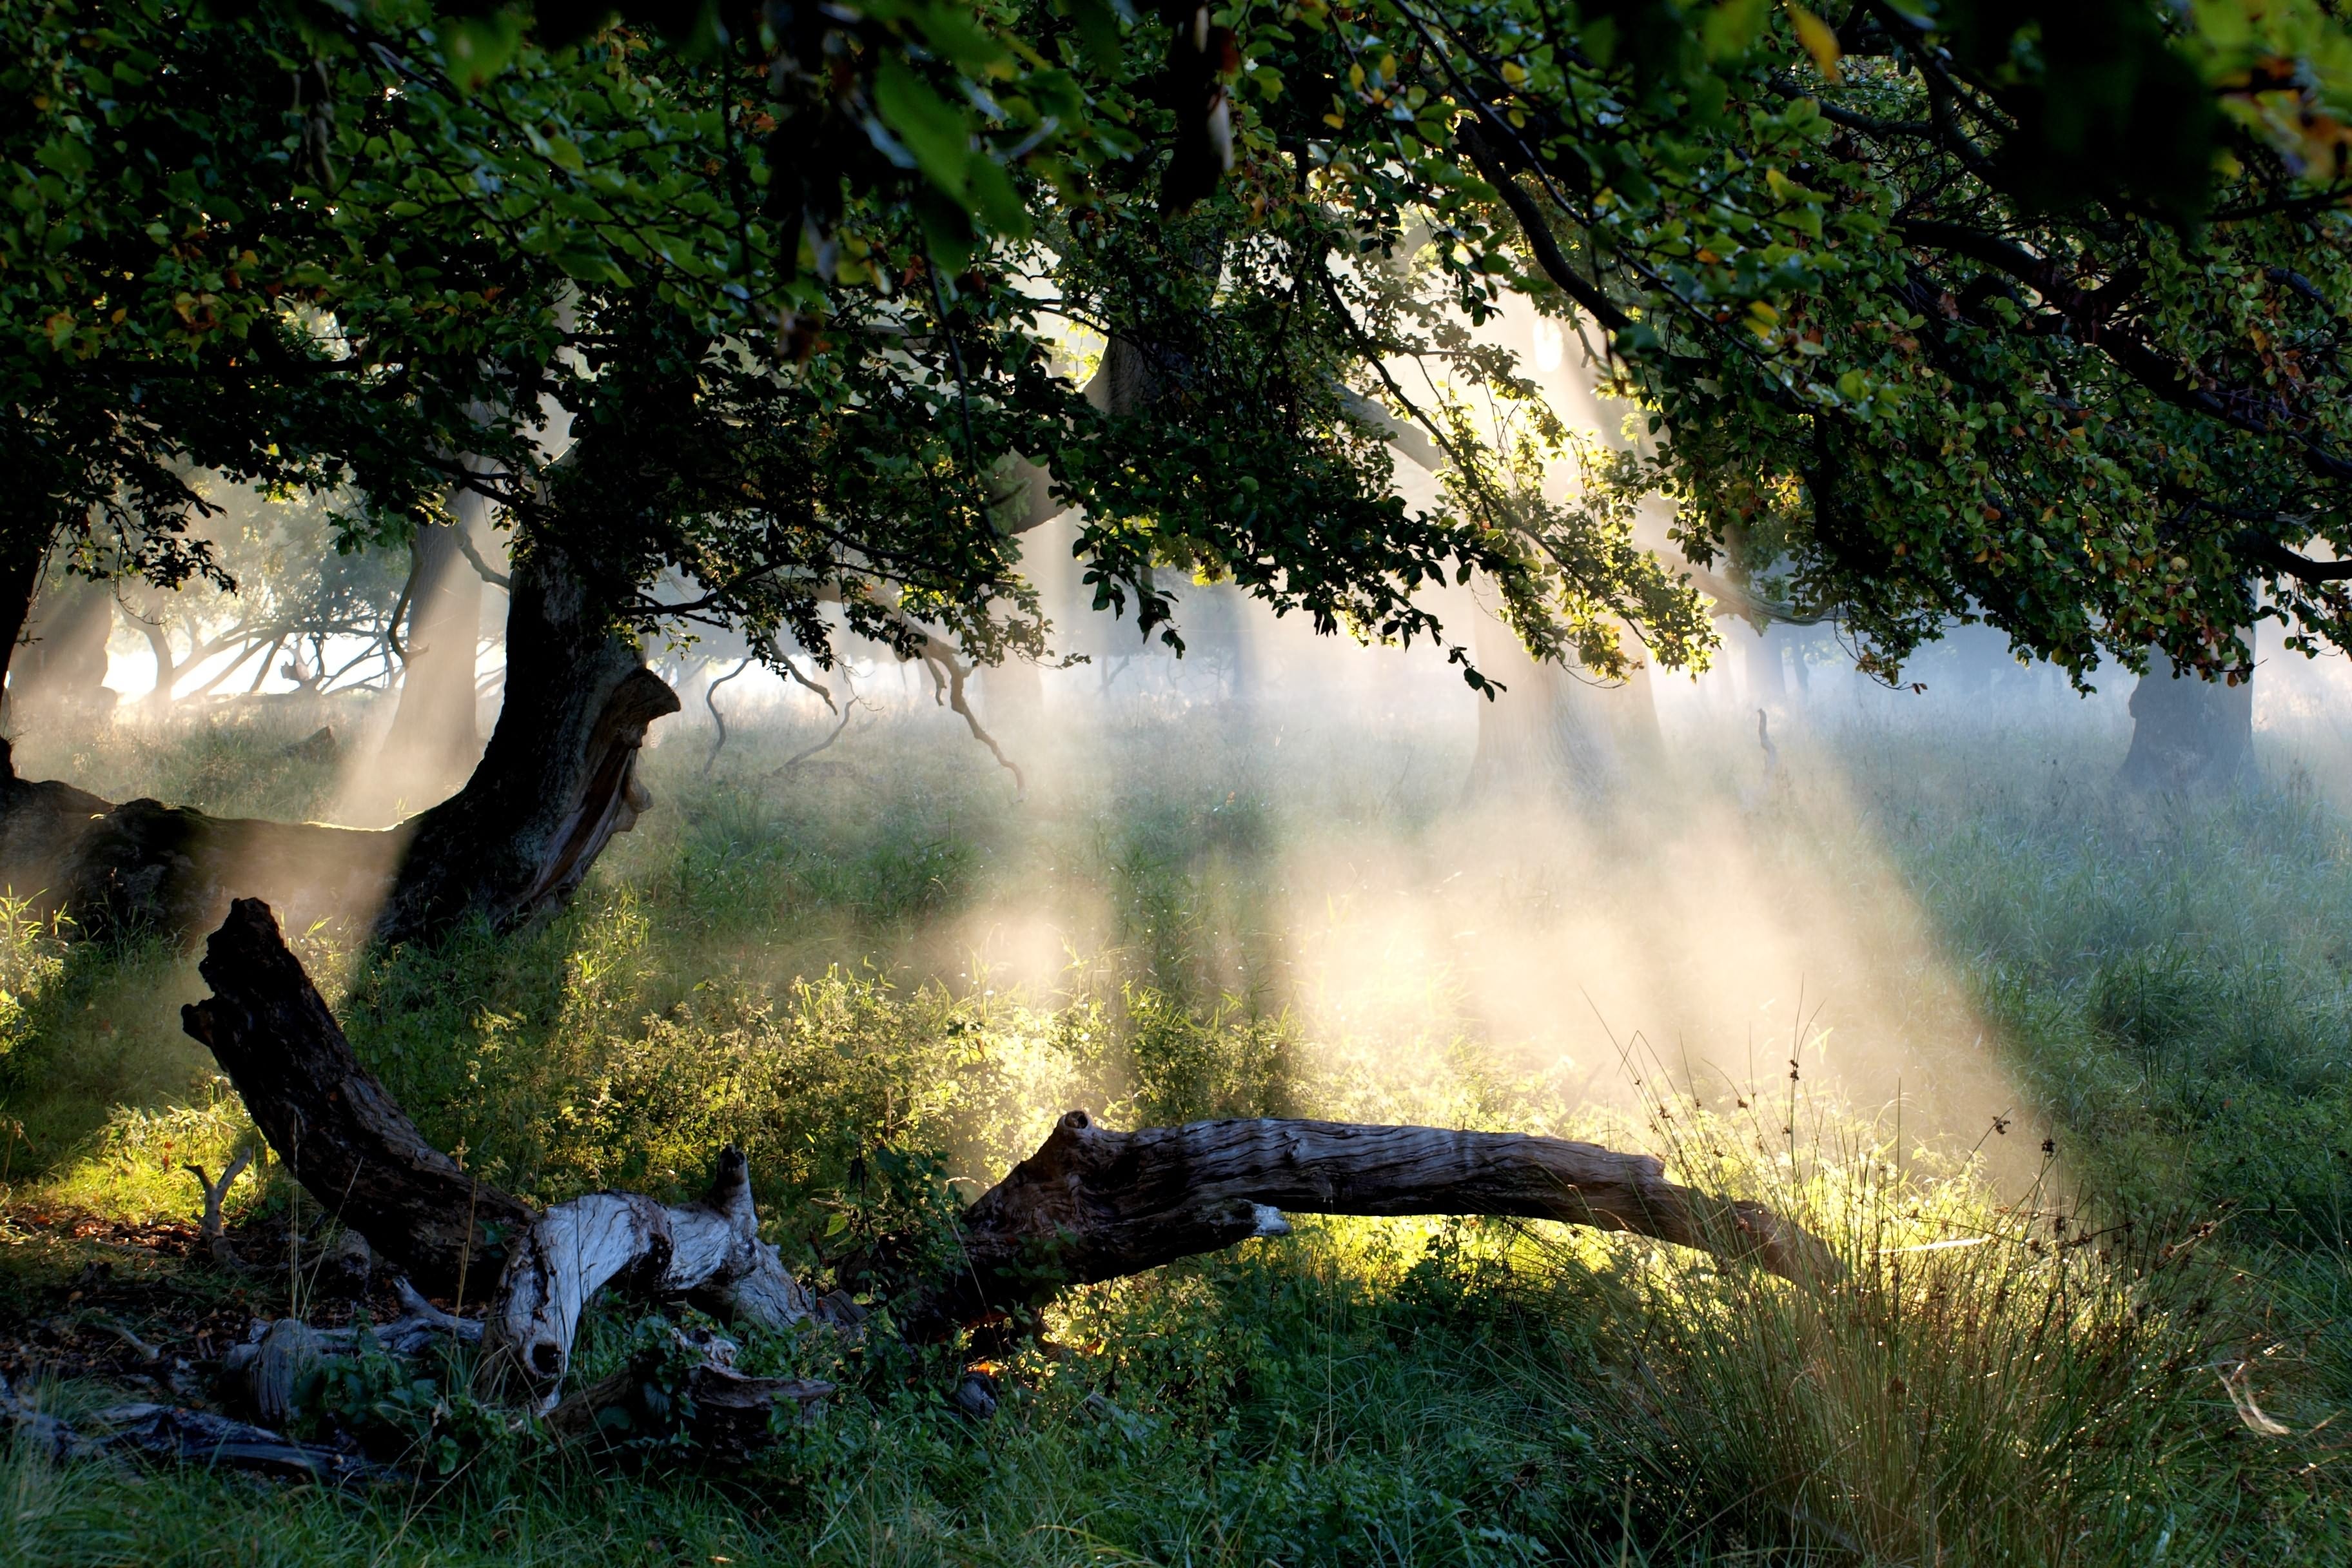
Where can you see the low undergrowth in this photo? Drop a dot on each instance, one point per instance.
(2130, 1354)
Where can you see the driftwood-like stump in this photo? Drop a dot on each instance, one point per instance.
(1090, 1204)
(707, 1253)
(344, 1138)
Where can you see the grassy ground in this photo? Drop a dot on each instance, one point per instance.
(2131, 1354)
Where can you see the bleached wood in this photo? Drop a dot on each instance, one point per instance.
(710, 1253)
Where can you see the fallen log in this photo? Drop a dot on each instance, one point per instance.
(1094, 1204)
(333, 1123)
(1090, 1204)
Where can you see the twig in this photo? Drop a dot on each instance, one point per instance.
(213, 1226)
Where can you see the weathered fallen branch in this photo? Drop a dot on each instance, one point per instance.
(214, 1226)
(707, 1253)
(169, 1432)
(1090, 1204)
(332, 1123)
(1094, 1204)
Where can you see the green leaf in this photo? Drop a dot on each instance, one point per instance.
(1101, 26)
(476, 49)
(933, 130)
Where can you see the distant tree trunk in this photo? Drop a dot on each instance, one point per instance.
(62, 665)
(559, 777)
(433, 741)
(2188, 733)
(1556, 731)
(1767, 683)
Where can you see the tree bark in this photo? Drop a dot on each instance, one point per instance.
(1090, 1204)
(333, 1123)
(435, 742)
(558, 777)
(1095, 1205)
(2188, 733)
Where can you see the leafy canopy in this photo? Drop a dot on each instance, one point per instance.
(2006, 310)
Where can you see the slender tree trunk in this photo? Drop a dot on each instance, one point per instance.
(2188, 733)
(559, 777)
(434, 741)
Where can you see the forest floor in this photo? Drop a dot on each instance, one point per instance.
(2065, 1077)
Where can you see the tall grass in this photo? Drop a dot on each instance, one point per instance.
(2061, 1373)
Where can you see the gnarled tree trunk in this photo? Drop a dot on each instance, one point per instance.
(558, 777)
(1090, 1204)
(558, 781)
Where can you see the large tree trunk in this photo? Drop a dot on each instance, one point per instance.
(557, 782)
(434, 741)
(2188, 733)
(1090, 1204)
(558, 777)
(1555, 731)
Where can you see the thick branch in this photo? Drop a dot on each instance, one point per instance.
(1540, 243)
(2089, 315)
(1095, 1205)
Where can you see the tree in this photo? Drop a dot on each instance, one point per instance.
(1917, 339)
(1965, 319)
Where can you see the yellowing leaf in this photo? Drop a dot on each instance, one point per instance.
(1819, 39)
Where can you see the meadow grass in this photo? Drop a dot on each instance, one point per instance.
(2085, 1367)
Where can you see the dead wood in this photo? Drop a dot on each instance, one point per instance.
(214, 1226)
(333, 1123)
(1095, 1205)
(692, 1390)
(1089, 1205)
(189, 1437)
(707, 1253)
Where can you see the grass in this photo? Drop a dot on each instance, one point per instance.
(2059, 1358)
